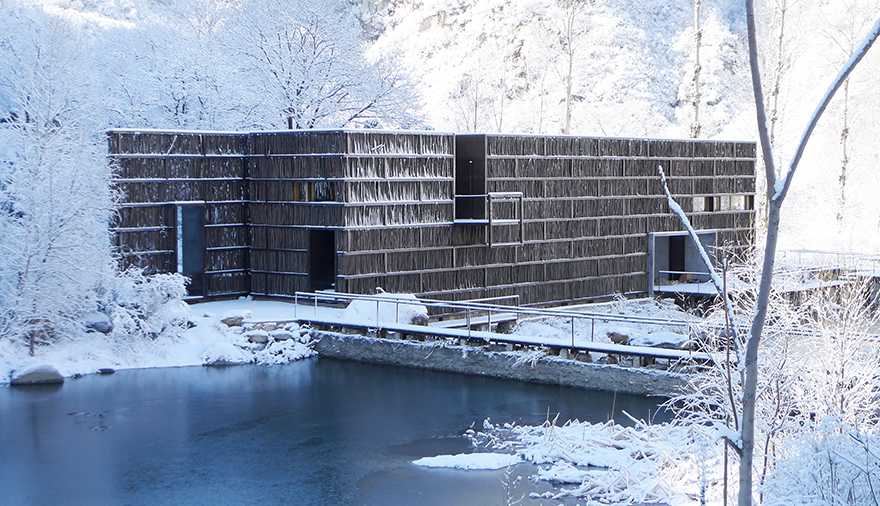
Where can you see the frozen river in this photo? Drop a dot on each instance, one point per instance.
(313, 432)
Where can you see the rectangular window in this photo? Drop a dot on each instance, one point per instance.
(738, 202)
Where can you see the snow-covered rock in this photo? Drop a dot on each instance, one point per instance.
(40, 374)
(257, 336)
(407, 310)
(661, 339)
(99, 322)
(226, 353)
(618, 338)
(232, 321)
(470, 461)
(281, 335)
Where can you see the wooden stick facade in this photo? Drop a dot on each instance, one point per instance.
(549, 218)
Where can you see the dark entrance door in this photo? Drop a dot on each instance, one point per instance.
(322, 259)
(191, 246)
(677, 245)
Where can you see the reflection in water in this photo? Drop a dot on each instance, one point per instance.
(314, 432)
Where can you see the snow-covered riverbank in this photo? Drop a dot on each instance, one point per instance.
(207, 341)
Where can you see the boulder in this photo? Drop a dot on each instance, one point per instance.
(98, 322)
(106, 370)
(505, 327)
(618, 338)
(281, 335)
(419, 319)
(41, 374)
(583, 356)
(267, 326)
(233, 321)
(257, 336)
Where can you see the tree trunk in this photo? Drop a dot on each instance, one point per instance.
(844, 157)
(750, 386)
(569, 76)
(696, 127)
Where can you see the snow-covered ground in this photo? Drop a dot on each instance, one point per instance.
(208, 341)
(606, 462)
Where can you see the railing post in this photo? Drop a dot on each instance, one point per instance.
(592, 329)
(396, 312)
(295, 304)
(522, 229)
(489, 317)
(315, 295)
(468, 320)
(572, 331)
(377, 314)
(489, 216)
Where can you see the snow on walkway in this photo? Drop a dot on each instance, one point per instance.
(558, 330)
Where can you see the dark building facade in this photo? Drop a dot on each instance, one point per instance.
(553, 219)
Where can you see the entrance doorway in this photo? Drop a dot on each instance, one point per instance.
(190, 228)
(675, 264)
(322, 260)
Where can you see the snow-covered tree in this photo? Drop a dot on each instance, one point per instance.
(56, 200)
(310, 67)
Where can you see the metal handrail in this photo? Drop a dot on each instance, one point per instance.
(469, 307)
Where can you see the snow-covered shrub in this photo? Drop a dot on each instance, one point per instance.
(836, 465)
(609, 463)
(283, 352)
(143, 305)
(818, 363)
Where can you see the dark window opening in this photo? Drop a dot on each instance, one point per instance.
(677, 250)
(709, 204)
(322, 260)
(470, 176)
(750, 202)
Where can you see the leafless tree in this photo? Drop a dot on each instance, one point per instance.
(696, 127)
(778, 185)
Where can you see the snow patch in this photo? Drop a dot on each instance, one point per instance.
(470, 461)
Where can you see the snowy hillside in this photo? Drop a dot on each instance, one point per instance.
(593, 67)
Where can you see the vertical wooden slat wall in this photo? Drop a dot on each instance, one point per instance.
(156, 169)
(589, 204)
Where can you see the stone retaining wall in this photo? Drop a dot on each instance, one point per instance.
(523, 366)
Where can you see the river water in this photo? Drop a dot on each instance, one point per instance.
(313, 432)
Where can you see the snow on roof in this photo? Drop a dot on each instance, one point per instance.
(301, 130)
(409, 132)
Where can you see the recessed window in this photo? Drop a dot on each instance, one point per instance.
(709, 203)
(738, 202)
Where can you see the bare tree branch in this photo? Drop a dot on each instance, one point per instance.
(784, 183)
